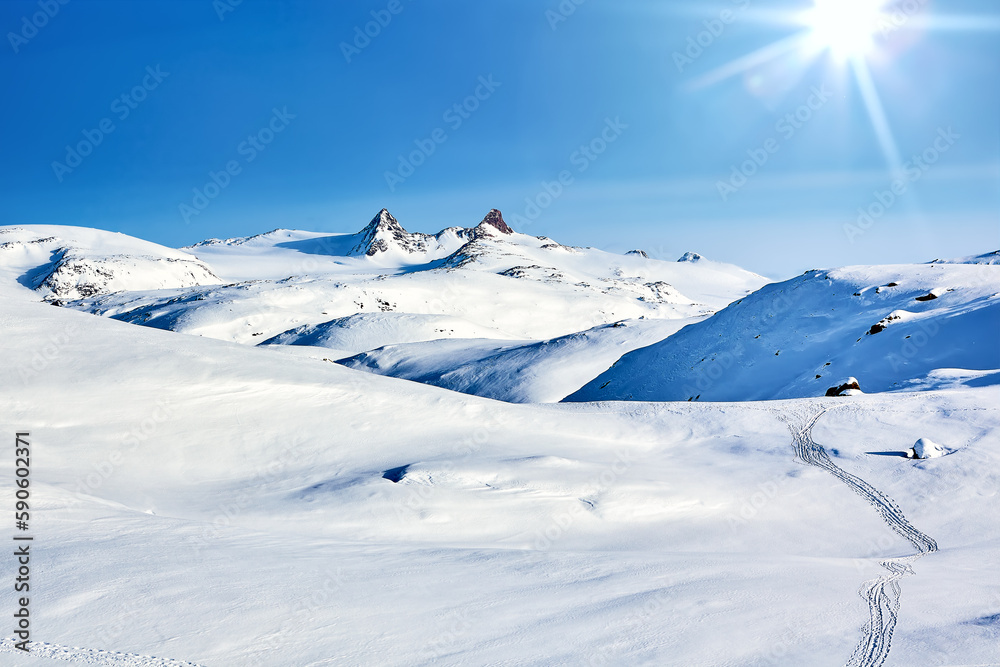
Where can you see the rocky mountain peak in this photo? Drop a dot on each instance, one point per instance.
(385, 232)
(383, 221)
(495, 219)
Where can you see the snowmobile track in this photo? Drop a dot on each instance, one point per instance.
(91, 656)
(882, 594)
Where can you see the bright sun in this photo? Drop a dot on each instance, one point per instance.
(845, 27)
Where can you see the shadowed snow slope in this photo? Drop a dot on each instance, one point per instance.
(364, 331)
(887, 326)
(519, 372)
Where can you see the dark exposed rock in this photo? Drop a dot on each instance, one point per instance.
(495, 219)
(881, 325)
(844, 387)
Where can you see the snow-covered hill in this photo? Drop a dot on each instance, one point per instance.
(889, 326)
(517, 372)
(986, 258)
(71, 263)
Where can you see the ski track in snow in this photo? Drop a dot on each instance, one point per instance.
(91, 656)
(883, 593)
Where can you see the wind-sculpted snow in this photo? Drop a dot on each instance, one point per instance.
(799, 337)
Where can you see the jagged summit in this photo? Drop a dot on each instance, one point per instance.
(385, 232)
(690, 257)
(495, 218)
(383, 220)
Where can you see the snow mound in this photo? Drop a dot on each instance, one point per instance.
(925, 448)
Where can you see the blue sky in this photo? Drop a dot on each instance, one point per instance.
(309, 129)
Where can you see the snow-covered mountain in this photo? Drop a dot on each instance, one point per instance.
(501, 284)
(891, 327)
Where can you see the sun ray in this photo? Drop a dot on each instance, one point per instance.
(754, 59)
(873, 103)
(947, 23)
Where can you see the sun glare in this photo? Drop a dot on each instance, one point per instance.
(845, 27)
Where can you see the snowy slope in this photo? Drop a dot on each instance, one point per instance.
(518, 372)
(888, 326)
(986, 258)
(365, 331)
(217, 504)
(69, 263)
